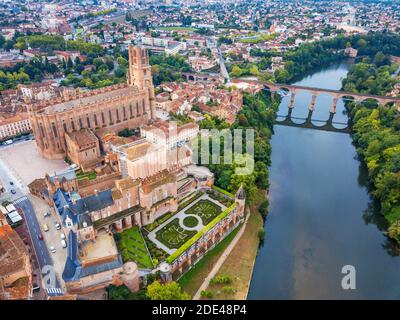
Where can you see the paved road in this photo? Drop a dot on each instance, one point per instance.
(17, 140)
(40, 247)
(6, 176)
(224, 71)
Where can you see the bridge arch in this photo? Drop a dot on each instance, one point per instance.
(349, 98)
(370, 102)
(284, 91)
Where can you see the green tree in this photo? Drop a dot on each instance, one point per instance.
(168, 291)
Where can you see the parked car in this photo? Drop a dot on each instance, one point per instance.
(63, 243)
(62, 235)
(13, 191)
(46, 214)
(45, 228)
(57, 225)
(40, 236)
(12, 183)
(52, 249)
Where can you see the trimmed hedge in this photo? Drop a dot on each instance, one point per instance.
(199, 234)
(223, 191)
(186, 202)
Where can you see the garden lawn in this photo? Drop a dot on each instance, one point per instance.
(133, 248)
(192, 280)
(88, 175)
(173, 235)
(205, 209)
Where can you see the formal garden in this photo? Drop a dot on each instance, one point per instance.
(173, 235)
(158, 241)
(184, 225)
(133, 248)
(205, 209)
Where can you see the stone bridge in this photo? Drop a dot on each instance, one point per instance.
(199, 77)
(294, 89)
(336, 95)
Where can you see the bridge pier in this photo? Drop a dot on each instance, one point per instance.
(292, 97)
(312, 104)
(310, 112)
(330, 120)
(334, 104)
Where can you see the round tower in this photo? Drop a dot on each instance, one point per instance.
(165, 272)
(240, 198)
(130, 276)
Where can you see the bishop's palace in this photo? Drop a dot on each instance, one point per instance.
(116, 184)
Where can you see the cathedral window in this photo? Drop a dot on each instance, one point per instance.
(103, 120)
(72, 124)
(80, 123)
(144, 106)
(117, 114)
(124, 112)
(110, 116)
(42, 130)
(95, 119)
(137, 108)
(88, 120)
(53, 126)
(131, 110)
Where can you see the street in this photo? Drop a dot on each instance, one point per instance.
(14, 168)
(39, 246)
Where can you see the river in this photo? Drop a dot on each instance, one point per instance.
(321, 216)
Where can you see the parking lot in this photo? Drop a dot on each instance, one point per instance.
(21, 164)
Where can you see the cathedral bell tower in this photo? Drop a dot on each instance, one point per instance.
(139, 74)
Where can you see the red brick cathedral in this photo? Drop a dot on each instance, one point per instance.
(128, 105)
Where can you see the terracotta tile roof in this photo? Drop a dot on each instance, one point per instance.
(19, 290)
(138, 151)
(157, 180)
(12, 251)
(126, 183)
(83, 137)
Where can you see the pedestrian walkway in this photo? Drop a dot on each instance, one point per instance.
(55, 291)
(19, 200)
(221, 259)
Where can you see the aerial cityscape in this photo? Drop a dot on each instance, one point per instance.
(199, 150)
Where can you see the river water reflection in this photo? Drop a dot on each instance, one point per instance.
(321, 217)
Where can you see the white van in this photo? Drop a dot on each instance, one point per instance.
(62, 235)
(63, 244)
